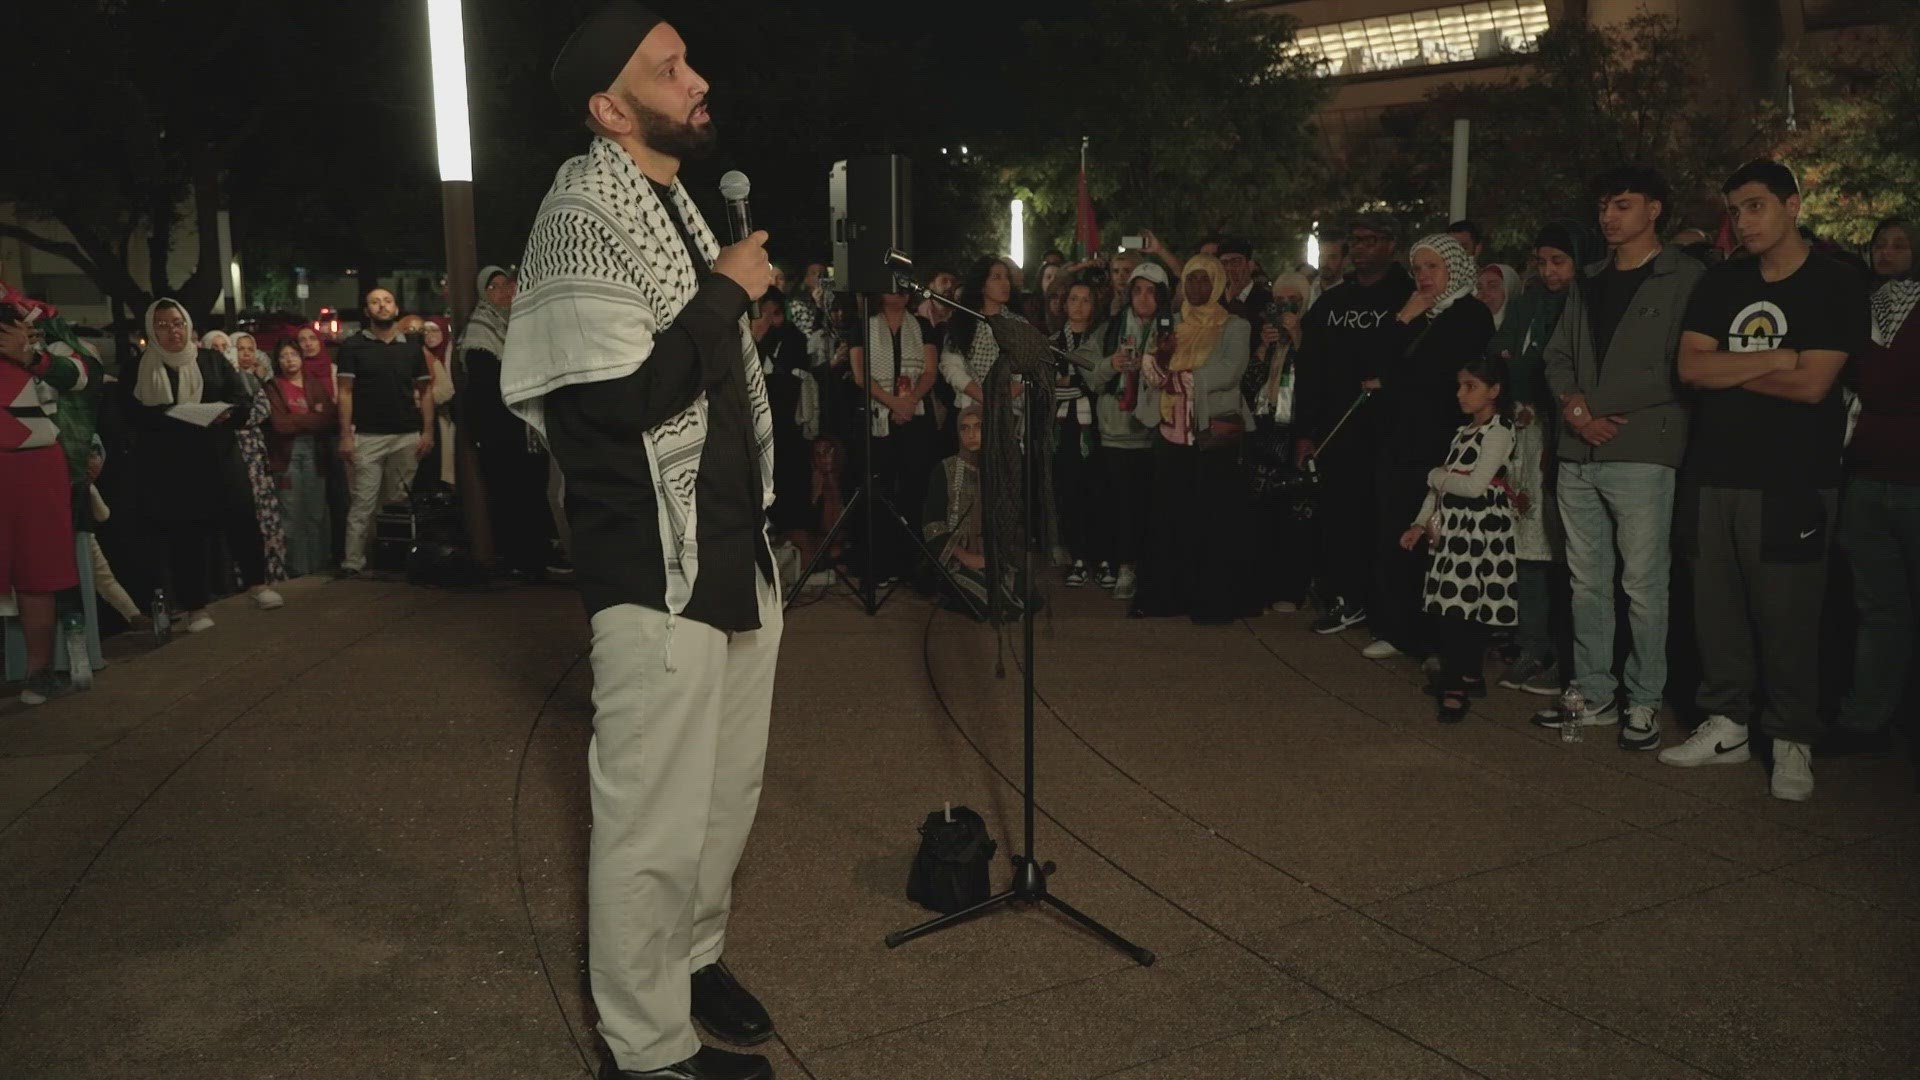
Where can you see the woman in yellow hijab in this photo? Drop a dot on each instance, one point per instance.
(1198, 555)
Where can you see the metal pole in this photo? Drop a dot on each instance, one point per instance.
(456, 198)
(446, 33)
(1457, 205)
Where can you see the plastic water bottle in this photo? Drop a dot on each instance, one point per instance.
(79, 664)
(162, 617)
(1572, 704)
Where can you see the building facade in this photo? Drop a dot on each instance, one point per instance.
(1387, 53)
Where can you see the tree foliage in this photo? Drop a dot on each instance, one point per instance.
(1588, 99)
(1855, 138)
(1199, 119)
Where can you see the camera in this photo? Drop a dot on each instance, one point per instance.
(1277, 308)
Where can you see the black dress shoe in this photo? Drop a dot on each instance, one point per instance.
(711, 1063)
(726, 1010)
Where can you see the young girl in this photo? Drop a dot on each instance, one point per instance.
(1467, 519)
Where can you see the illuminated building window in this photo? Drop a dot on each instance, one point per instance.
(1442, 35)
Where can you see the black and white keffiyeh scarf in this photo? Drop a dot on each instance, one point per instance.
(605, 272)
(1892, 304)
(888, 367)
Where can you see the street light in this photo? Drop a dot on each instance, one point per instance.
(1019, 233)
(446, 34)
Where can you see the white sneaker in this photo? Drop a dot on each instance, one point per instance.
(200, 625)
(1641, 731)
(1128, 584)
(1380, 649)
(1792, 771)
(1719, 741)
(267, 600)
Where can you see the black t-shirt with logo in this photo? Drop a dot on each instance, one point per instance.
(1746, 439)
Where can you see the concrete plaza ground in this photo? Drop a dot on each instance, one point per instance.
(347, 839)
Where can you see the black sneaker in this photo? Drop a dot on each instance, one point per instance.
(1106, 576)
(1339, 617)
(1077, 575)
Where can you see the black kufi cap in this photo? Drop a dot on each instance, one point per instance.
(598, 48)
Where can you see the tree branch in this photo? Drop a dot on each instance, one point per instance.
(62, 249)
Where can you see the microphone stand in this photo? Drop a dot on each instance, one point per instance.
(1029, 885)
(872, 502)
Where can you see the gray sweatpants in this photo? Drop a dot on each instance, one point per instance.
(680, 717)
(1757, 620)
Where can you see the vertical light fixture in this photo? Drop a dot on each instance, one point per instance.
(446, 36)
(446, 33)
(1313, 247)
(1018, 239)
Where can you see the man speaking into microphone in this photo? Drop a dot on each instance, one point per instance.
(630, 352)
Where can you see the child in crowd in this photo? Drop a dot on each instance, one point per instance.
(1467, 520)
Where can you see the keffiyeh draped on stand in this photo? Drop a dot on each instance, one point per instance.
(604, 273)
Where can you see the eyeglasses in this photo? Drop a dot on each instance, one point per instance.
(1367, 238)
(169, 324)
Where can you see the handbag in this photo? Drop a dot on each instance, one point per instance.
(949, 871)
(1221, 433)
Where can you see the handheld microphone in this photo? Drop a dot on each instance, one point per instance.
(734, 187)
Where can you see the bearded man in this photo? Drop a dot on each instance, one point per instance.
(630, 352)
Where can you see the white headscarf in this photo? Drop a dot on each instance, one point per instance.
(224, 348)
(1509, 286)
(1462, 275)
(151, 386)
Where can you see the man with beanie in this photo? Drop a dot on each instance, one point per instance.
(1346, 340)
(1611, 367)
(629, 350)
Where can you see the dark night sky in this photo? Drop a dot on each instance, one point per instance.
(794, 87)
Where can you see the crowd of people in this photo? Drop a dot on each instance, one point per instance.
(240, 467)
(1466, 458)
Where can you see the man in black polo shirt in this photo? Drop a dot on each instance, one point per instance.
(629, 350)
(386, 424)
(1763, 340)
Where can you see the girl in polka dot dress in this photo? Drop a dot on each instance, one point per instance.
(1467, 521)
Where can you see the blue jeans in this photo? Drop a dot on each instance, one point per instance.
(1618, 513)
(1880, 532)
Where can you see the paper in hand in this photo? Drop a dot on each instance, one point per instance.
(199, 413)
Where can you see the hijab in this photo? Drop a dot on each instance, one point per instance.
(1509, 285)
(966, 522)
(151, 385)
(1462, 275)
(1200, 328)
(224, 348)
(1200, 324)
(487, 327)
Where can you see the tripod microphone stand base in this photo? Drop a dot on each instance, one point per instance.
(1029, 887)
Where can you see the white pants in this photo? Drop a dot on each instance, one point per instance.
(383, 467)
(679, 744)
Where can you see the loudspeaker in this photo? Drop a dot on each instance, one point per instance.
(871, 214)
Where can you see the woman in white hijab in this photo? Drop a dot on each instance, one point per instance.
(219, 342)
(1497, 287)
(188, 467)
